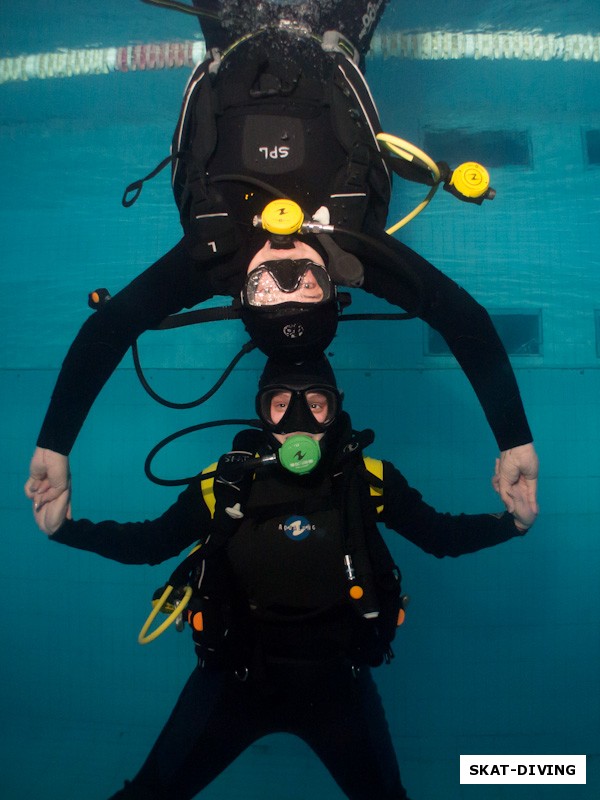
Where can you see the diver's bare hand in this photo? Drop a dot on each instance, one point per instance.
(51, 515)
(515, 480)
(49, 478)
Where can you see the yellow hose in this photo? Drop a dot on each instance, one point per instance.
(144, 637)
(401, 223)
(407, 151)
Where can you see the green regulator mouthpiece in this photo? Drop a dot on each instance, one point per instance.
(299, 454)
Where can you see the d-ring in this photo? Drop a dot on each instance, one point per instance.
(241, 674)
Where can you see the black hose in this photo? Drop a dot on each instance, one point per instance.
(253, 423)
(247, 348)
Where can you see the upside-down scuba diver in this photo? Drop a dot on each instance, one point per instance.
(281, 103)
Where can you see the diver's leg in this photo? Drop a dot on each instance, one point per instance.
(215, 719)
(215, 34)
(356, 20)
(227, 21)
(347, 729)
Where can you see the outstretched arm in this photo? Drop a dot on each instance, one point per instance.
(443, 534)
(464, 324)
(172, 283)
(470, 334)
(148, 542)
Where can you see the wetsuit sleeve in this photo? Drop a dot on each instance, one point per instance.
(411, 282)
(441, 534)
(172, 283)
(149, 542)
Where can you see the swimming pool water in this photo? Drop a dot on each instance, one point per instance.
(500, 650)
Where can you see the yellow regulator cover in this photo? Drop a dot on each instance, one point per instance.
(283, 217)
(470, 179)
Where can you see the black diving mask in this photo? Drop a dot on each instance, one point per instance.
(287, 280)
(312, 409)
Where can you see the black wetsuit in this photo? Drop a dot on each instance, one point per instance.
(304, 683)
(177, 281)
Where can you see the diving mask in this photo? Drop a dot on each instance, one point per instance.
(287, 281)
(306, 410)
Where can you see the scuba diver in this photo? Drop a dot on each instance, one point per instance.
(293, 595)
(280, 111)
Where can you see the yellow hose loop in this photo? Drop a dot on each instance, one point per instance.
(408, 151)
(144, 637)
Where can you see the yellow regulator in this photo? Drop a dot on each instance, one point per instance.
(282, 217)
(471, 180)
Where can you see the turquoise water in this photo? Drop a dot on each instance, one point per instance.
(500, 651)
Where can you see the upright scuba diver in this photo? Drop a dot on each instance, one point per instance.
(280, 110)
(293, 595)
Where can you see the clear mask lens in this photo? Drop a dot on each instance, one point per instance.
(287, 281)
